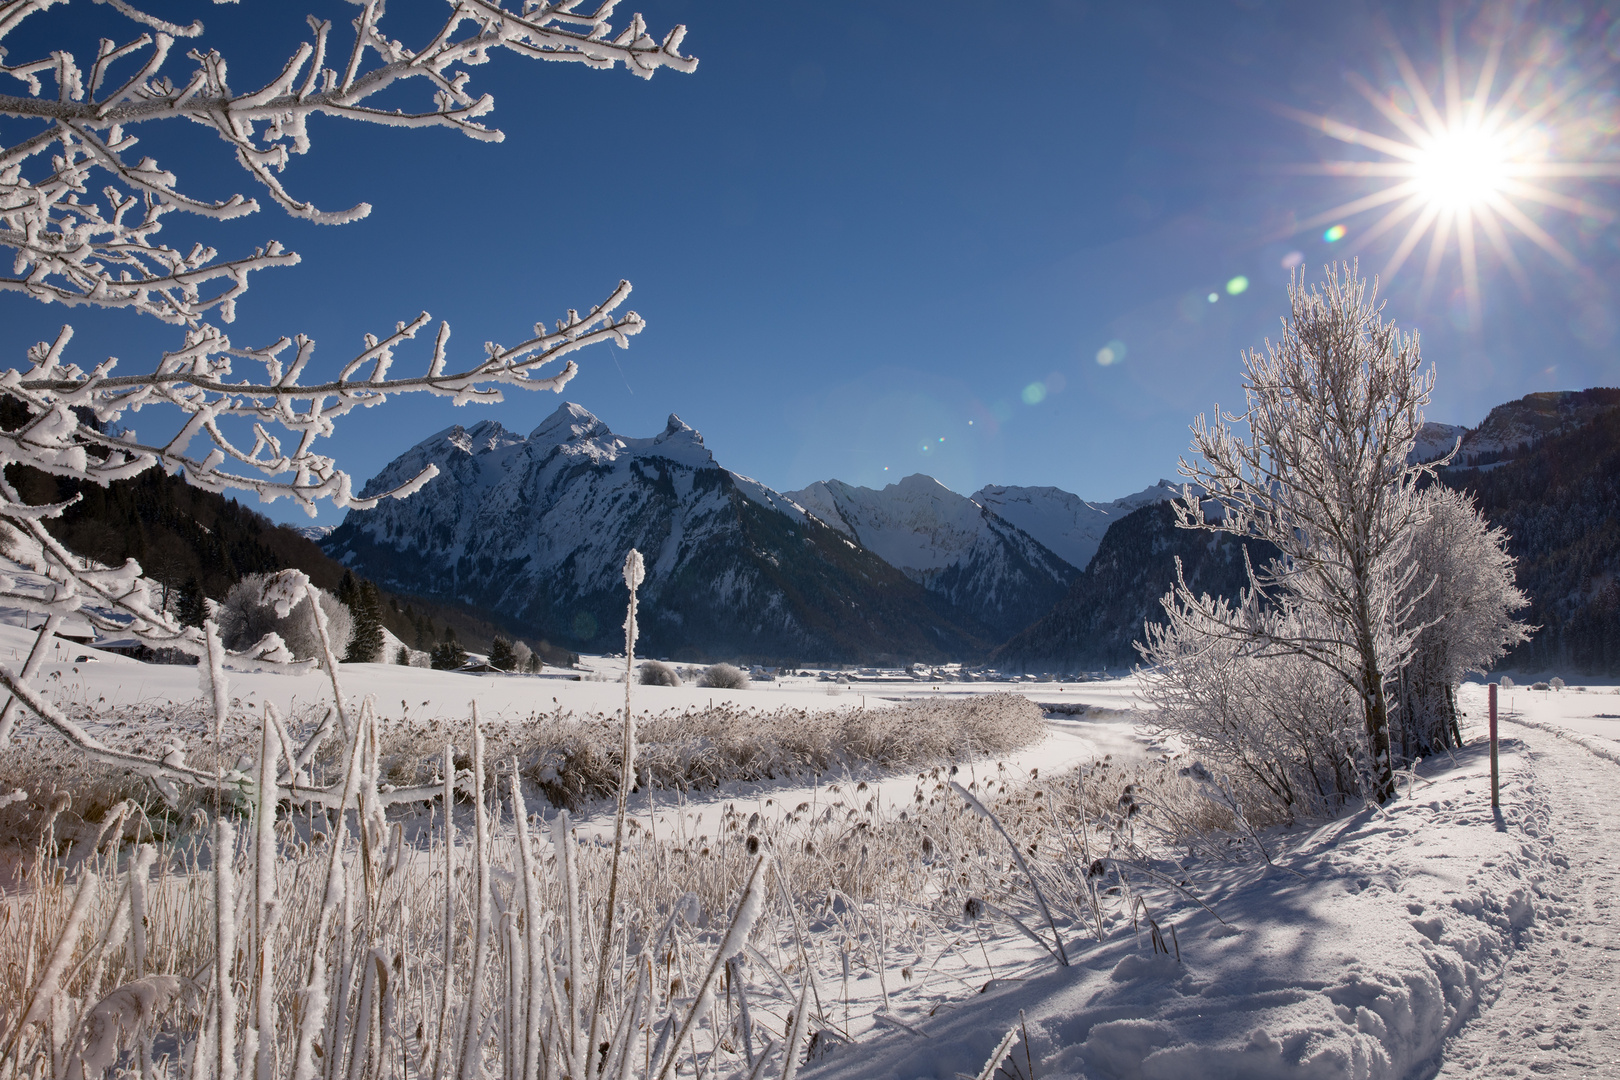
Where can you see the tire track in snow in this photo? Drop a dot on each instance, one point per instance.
(1557, 1012)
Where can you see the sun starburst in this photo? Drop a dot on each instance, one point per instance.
(1462, 165)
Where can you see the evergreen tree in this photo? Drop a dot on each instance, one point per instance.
(447, 655)
(365, 607)
(502, 655)
(403, 657)
(190, 606)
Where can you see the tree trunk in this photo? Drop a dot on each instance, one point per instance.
(1377, 710)
(1451, 715)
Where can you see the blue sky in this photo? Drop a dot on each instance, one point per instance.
(878, 239)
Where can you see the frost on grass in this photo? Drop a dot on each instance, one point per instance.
(472, 948)
(575, 760)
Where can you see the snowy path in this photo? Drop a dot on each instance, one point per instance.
(1557, 1012)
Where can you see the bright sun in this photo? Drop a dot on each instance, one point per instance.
(1461, 169)
(1461, 166)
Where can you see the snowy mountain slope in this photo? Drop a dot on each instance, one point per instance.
(535, 528)
(1436, 441)
(1067, 524)
(1518, 425)
(1515, 427)
(979, 564)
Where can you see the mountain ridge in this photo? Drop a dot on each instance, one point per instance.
(536, 528)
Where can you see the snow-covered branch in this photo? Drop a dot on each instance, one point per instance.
(78, 245)
(73, 431)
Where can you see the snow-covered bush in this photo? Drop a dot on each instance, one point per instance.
(1557, 683)
(724, 677)
(1505, 683)
(245, 616)
(1283, 727)
(576, 759)
(658, 673)
(489, 923)
(1463, 597)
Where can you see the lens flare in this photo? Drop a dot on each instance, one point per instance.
(1237, 285)
(1111, 353)
(1334, 234)
(1034, 393)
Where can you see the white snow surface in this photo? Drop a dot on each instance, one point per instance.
(1067, 524)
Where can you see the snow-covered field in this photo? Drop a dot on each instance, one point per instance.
(1429, 935)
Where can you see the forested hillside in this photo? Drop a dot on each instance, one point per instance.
(1559, 500)
(1095, 625)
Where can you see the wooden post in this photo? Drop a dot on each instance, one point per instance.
(1496, 798)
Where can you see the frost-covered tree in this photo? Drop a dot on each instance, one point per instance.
(82, 211)
(1464, 598)
(523, 658)
(1332, 410)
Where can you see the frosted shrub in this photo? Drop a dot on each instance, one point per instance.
(1283, 727)
(656, 673)
(1463, 597)
(724, 677)
(1557, 683)
(1505, 683)
(472, 950)
(246, 616)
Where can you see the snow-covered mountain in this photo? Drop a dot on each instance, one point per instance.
(1435, 441)
(534, 529)
(1511, 429)
(1518, 425)
(975, 561)
(1065, 523)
